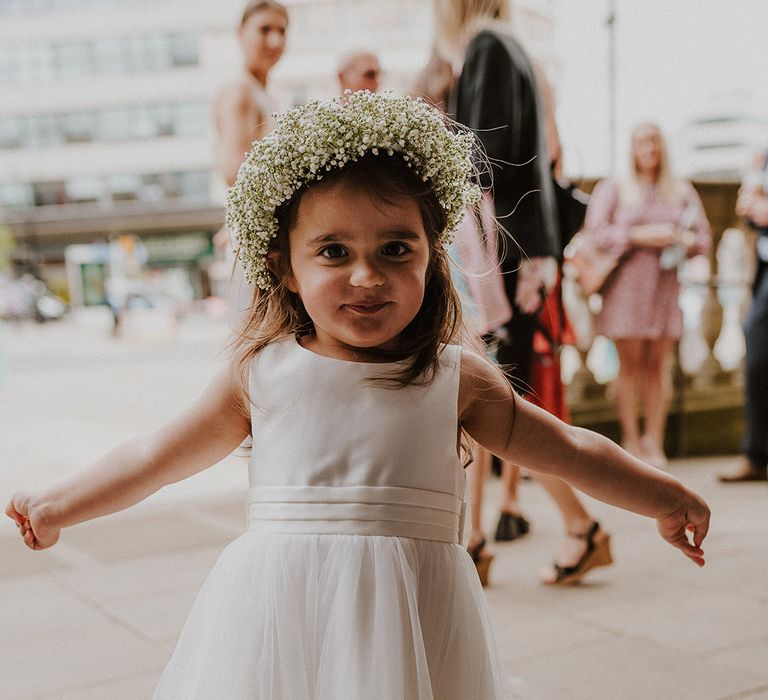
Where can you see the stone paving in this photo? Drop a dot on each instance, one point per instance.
(97, 616)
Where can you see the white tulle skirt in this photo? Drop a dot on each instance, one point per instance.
(335, 617)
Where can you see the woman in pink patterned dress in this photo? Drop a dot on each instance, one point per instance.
(653, 221)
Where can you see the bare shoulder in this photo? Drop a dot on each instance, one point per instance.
(236, 93)
(479, 381)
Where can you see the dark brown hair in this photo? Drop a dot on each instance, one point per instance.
(279, 312)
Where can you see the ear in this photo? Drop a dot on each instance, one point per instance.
(279, 271)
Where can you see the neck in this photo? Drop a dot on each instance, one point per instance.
(648, 177)
(260, 75)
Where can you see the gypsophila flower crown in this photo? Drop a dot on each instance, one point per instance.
(322, 136)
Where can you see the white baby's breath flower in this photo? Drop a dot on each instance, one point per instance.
(316, 138)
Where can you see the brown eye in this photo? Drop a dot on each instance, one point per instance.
(395, 249)
(333, 251)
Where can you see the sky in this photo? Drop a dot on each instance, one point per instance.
(676, 59)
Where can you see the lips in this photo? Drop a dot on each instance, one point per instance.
(367, 308)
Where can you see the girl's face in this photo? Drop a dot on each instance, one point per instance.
(360, 266)
(647, 148)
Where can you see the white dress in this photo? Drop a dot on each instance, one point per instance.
(351, 581)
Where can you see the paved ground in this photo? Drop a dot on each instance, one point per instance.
(97, 616)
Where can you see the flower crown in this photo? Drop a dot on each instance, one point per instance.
(322, 136)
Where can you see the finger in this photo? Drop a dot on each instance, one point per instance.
(700, 532)
(692, 551)
(15, 515)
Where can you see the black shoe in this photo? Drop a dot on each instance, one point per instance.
(511, 527)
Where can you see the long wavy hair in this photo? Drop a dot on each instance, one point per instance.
(278, 312)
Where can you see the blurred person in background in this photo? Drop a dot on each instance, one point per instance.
(478, 280)
(651, 221)
(359, 70)
(752, 204)
(497, 95)
(125, 279)
(242, 112)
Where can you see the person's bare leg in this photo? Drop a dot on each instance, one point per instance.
(575, 516)
(626, 389)
(477, 472)
(577, 522)
(510, 478)
(481, 555)
(655, 389)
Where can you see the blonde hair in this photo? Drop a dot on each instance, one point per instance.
(258, 5)
(631, 190)
(458, 21)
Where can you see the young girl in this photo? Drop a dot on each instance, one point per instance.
(351, 581)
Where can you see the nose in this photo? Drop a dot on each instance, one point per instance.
(275, 40)
(366, 273)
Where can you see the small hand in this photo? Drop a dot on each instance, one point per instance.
(692, 516)
(535, 280)
(33, 528)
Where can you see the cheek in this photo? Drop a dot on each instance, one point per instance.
(314, 286)
(415, 284)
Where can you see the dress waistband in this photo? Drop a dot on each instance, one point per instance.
(388, 511)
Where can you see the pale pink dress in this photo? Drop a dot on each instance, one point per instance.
(640, 299)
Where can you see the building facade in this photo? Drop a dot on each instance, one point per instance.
(105, 121)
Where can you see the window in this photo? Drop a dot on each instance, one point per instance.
(16, 195)
(109, 56)
(191, 119)
(84, 189)
(36, 64)
(11, 132)
(49, 193)
(43, 131)
(184, 49)
(77, 127)
(31, 64)
(126, 186)
(9, 68)
(193, 183)
(74, 60)
(118, 124)
(113, 125)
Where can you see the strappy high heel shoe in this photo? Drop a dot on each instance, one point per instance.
(598, 553)
(482, 559)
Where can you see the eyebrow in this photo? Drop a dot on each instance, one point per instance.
(397, 235)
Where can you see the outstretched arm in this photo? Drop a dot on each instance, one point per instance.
(201, 436)
(518, 431)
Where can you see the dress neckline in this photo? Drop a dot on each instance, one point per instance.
(328, 358)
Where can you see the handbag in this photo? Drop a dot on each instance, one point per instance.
(587, 263)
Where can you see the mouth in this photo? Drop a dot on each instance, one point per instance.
(367, 308)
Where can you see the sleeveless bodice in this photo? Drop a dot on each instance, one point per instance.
(335, 451)
(352, 551)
